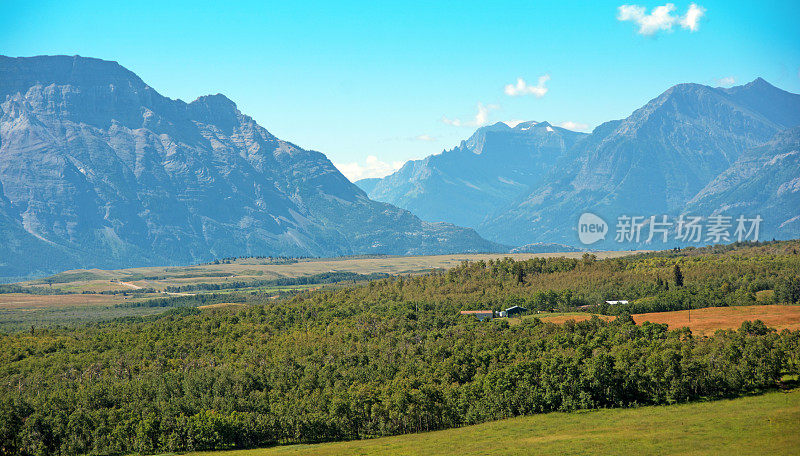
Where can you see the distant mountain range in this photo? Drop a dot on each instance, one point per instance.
(467, 184)
(693, 149)
(99, 170)
(545, 247)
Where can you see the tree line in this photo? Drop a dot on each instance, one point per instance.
(194, 380)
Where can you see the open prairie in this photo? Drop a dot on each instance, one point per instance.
(24, 301)
(705, 321)
(766, 424)
(248, 269)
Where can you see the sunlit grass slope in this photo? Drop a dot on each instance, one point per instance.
(766, 424)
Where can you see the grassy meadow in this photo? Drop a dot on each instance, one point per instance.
(756, 425)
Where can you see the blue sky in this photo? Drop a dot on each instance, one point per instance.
(372, 84)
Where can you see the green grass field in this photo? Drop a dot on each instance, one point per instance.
(757, 425)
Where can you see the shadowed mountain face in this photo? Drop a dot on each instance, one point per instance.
(21, 253)
(467, 184)
(764, 181)
(654, 162)
(99, 170)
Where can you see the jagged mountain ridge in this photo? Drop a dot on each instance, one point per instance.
(653, 162)
(102, 171)
(466, 185)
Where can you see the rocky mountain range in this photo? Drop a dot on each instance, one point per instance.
(686, 150)
(97, 169)
(545, 247)
(764, 181)
(467, 184)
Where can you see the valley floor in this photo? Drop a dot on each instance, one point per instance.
(764, 424)
(248, 269)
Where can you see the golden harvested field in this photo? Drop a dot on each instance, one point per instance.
(96, 280)
(706, 321)
(221, 305)
(18, 301)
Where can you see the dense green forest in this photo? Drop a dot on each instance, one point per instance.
(710, 277)
(393, 356)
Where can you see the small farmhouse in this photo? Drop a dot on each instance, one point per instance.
(515, 310)
(616, 302)
(479, 314)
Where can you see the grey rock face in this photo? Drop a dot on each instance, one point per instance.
(96, 164)
(466, 185)
(764, 181)
(22, 254)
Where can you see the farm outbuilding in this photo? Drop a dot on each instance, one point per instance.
(479, 314)
(514, 310)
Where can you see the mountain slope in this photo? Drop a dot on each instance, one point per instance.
(467, 184)
(765, 182)
(368, 184)
(650, 163)
(97, 163)
(21, 253)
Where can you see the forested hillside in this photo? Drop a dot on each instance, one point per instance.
(711, 276)
(393, 356)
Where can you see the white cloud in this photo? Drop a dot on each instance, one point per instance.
(727, 81)
(425, 138)
(691, 20)
(574, 126)
(373, 167)
(661, 17)
(522, 88)
(481, 118)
